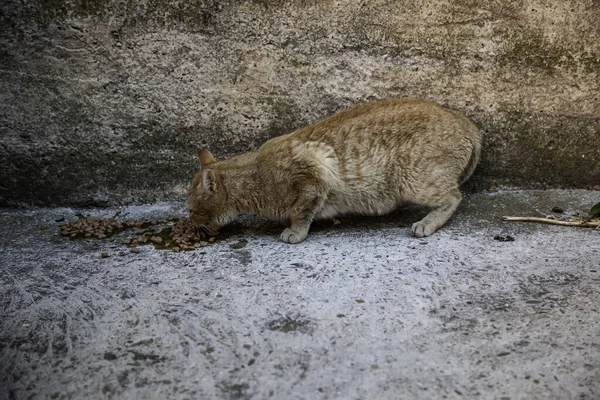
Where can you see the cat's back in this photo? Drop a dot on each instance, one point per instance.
(402, 117)
(386, 121)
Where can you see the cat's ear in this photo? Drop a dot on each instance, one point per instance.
(208, 180)
(206, 158)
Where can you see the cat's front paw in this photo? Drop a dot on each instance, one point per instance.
(290, 236)
(421, 229)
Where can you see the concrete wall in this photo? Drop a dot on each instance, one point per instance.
(106, 101)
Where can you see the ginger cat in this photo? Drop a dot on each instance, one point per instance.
(368, 160)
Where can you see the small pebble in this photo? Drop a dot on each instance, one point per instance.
(104, 254)
(134, 250)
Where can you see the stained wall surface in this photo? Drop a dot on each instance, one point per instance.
(106, 102)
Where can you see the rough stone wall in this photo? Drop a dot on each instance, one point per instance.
(106, 101)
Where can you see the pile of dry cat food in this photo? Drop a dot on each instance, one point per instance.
(97, 227)
(182, 235)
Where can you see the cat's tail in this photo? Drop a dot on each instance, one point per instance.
(473, 160)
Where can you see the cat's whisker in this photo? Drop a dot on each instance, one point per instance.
(209, 231)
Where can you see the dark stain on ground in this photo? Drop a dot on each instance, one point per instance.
(504, 238)
(244, 256)
(547, 290)
(143, 342)
(123, 378)
(239, 245)
(542, 293)
(554, 278)
(289, 324)
(151, 358)
(235, 391)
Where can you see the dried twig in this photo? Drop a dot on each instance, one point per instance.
(582, 223)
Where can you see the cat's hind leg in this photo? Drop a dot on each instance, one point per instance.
(303, 212)
(444, 206)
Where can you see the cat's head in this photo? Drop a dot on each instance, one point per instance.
(206, 200)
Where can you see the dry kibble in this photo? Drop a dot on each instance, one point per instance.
(104, 254)
(94, 226)
(156, 239)
(183, 235)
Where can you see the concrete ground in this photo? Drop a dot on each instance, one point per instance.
(360, 310)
